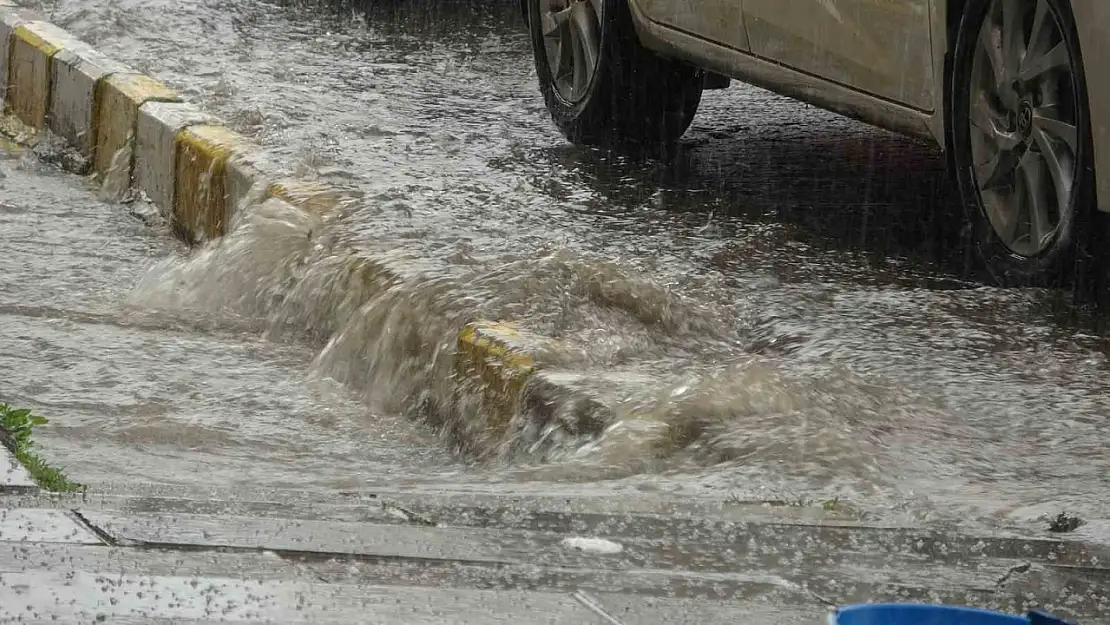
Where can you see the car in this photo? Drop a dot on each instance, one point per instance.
(1009, 89)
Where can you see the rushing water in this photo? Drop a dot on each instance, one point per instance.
(784, 294)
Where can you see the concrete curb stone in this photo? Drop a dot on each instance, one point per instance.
(201, 209)
(31, 52)
(116, 102)
(156, 133)
(11, 17)
(76, 71)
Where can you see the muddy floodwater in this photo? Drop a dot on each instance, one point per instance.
(789, 282)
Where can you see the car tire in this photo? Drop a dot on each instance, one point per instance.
(1027, 181)
(630, 95)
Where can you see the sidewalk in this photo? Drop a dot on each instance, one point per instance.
(160, 569)
(389, 558)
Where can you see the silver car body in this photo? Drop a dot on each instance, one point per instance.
(881, 61)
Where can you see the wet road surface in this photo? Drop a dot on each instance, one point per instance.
(788, 278)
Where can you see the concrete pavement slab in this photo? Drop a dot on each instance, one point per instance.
(43, 526)
(568, 596)
(758, 527)
(203, 554)
(13, 476)
(740, 565)
(107, 595)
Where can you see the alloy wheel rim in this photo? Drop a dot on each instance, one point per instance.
(572, 40)
(1024, 120)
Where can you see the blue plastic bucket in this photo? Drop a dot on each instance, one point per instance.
(926, 614)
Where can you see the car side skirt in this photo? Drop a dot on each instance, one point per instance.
(781, 79)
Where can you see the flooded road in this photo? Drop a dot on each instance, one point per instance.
(789, 280)
(137, 396)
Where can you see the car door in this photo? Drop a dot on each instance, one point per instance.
(882, 47)
(720, 21)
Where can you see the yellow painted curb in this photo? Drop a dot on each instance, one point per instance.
(116, 112)
(28, 94)
(315, 197)
(201, 208)
(491, 357)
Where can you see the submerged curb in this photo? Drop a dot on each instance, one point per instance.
(138, 134)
